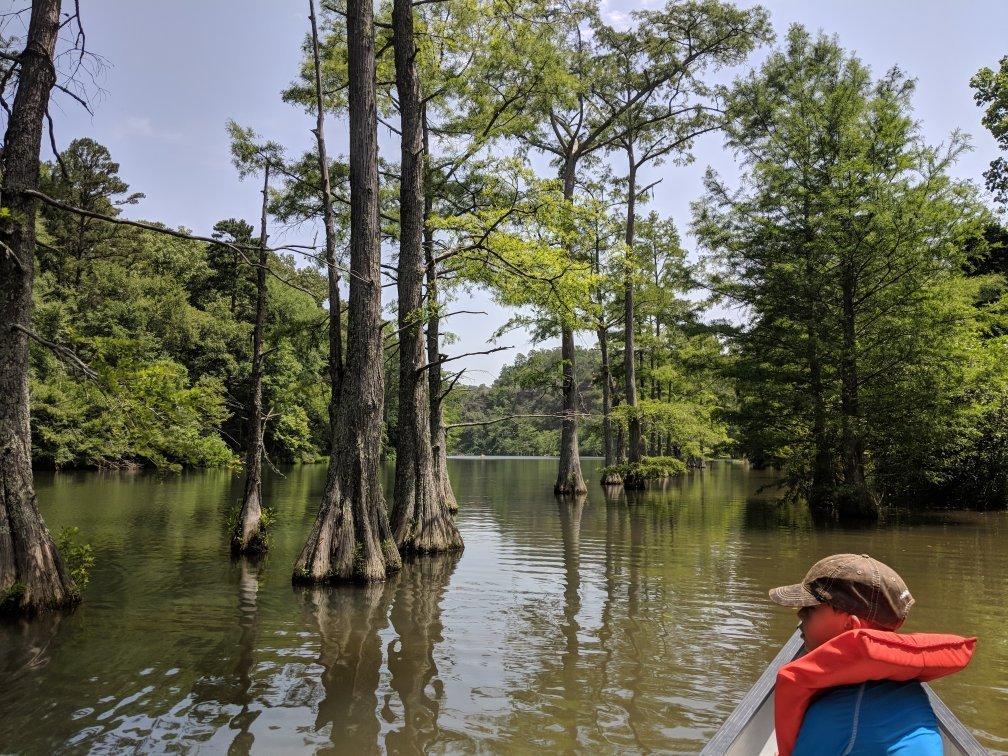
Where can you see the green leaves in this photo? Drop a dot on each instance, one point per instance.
(991, 93)
(845, 242)
(249, 153)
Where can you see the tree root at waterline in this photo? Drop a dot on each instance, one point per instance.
(351, 540)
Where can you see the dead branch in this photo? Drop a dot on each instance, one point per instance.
(64, 353)
(503, 419)
(52, 146)
(454, 380)
(240, 249)
(443, 360)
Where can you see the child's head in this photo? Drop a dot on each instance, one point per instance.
(845, 592)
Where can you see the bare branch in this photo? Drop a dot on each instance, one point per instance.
(240, 249)
(77, 97)
(443, 360)
(55, 150)
(454, 380)
(64, 353)
(502, 419)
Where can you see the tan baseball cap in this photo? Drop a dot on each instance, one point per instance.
(854, 583)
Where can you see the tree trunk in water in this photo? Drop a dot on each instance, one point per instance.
(335, 320)
(620, 449)
(636, 450)
(32, 574)
(421, 523)
(569, 479)
(249, 535)
(856, 501)
(351, 538)
(437, 429)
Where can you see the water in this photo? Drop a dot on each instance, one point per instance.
(597, 627)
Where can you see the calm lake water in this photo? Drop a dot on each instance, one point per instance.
(622, 624)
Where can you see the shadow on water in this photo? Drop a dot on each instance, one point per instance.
(348, 620)
(570, 510)
(416, 620)
(248, 622)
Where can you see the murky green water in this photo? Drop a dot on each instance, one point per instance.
(599, 627)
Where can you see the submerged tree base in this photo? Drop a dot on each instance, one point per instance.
(570, 484)
(17, 601)
(256, 544)
(351, 541)
(431, 531)
(610, 478)
(636, 476)
(249, 527)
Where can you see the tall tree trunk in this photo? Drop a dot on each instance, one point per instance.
(608, 478)
(620, 445)
(655, 384)
(821, 491)
(821, 495)
(351, 538)
(335, 307)
(569, 479)
(438, 433)
(420, 520)
(636, 450)
(32, 574)
(856, 501)
(608, 446)
(249, 535)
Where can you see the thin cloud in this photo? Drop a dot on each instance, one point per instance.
(136, 126)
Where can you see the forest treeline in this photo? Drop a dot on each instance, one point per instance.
(841, 317)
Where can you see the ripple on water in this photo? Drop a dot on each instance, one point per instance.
(628, 623)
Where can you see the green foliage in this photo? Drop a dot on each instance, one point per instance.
(649, 468)
(166, 325)
(77, 557)
(260, 541)
(139, 414)
(846, 242)
(991, 93)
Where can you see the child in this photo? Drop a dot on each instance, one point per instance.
(858, 689)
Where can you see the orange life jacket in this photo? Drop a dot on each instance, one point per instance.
(857, 656)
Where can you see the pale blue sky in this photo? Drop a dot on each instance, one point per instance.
(178, 70)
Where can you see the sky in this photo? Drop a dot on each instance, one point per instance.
(176, 71)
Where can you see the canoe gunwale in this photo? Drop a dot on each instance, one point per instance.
(753, 700)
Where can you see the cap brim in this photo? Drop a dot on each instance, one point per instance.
(793, 595)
